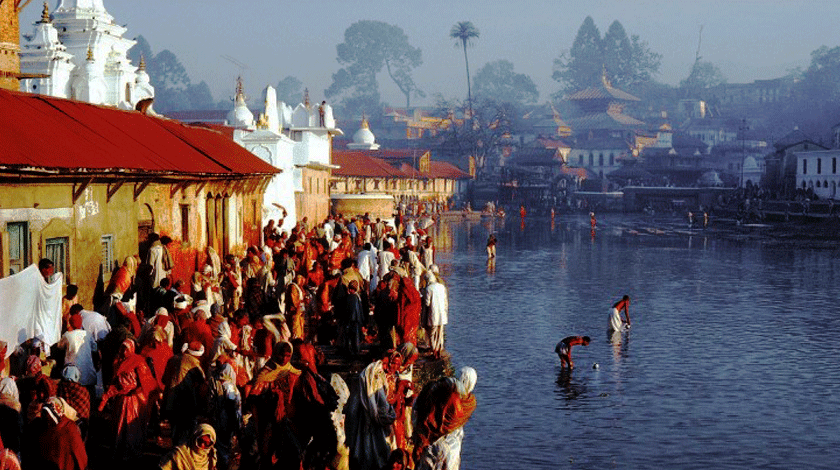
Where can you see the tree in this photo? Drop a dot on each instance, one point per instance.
(497, 81)
(618, 54)
(368, 47)
(820, 81)
(464, 32)
(704, 75)
(174, 91)
(482, 136)
(582, 65)
(626, 61)
(290, 90)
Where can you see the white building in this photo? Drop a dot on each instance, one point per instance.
(297, 141)
(80, 53)
(818, 171)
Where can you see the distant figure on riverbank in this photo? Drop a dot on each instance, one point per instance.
(592, 222)
(564, 349)
(616, 322)
(491, 246)
(522, 212)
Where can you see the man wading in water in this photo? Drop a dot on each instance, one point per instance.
(564, 349)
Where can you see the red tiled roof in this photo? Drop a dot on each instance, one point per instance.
(446, 170)
(44, 132)
(360, 163)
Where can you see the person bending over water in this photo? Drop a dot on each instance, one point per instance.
(564, 349)
(616, 322)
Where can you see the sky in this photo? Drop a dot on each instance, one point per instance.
(746, 39)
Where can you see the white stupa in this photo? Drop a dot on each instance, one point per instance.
(80, 53)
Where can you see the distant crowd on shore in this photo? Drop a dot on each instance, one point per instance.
(221, 371)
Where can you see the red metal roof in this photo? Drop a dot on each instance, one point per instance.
(52, 133)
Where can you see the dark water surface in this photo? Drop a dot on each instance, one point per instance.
(732, 361)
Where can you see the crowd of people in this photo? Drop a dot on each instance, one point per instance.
(221, 370)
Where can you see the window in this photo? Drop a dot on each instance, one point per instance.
(18, 246)
(358, 184)
(57, 249)
(580, 159)
(601, 159)
(591, 159)
(107, 254)
(612, 159)
(804, 167)
(834, 165)
(819, 166)
(185, 223)
(375, 184)
(818, 183)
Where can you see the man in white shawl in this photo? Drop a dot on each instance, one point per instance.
(437, 301)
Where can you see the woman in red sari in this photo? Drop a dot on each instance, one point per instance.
(133, 382)
(408, 311)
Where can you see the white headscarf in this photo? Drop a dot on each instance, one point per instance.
(467, 378)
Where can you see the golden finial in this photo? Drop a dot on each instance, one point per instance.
(45, 13)
(262, 122)
(142, 66)
(90, 55)
(365, 124)
(604, 79)
(240, 87)
(306, 97)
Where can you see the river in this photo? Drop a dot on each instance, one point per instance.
(732, 361)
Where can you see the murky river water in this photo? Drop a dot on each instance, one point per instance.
(732, 362)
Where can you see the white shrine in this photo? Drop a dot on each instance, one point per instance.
(298, 141)
(80, 53)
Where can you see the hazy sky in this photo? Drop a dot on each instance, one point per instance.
(747, 39)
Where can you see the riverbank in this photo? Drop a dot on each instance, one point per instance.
(814, 234)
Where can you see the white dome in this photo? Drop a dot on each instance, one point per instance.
(364, 136)
(240, 116)
(750, 164)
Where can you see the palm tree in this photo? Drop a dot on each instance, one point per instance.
(463, 32)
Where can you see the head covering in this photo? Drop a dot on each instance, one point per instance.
(54, 408)
(9, 395)
(467, 378)
(71, 373)
(76, 321)
(130, 265)
(374, 377)
(33, 365)
(181, 302)
(193, 348)
(201, 310)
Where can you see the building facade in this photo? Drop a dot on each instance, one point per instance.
(816, 172)
(88, 190)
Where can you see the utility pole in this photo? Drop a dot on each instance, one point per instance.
(743, 131)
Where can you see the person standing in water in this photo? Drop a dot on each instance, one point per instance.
(616, 322)
(564, 349)
(491, 246)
